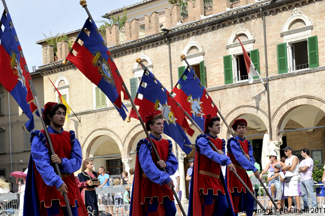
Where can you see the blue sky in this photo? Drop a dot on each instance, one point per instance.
(32, 18)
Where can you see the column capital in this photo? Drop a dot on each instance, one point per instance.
(181, 156)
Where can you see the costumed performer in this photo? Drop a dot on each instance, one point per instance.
(242, 200)
(44, 187)
(209, 194)
(151, 193)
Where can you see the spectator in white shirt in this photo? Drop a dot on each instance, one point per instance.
(306, 181)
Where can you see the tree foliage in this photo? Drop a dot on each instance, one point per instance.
(111, 21)
(53, 40)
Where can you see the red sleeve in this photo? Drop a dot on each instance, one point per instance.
(81, 184)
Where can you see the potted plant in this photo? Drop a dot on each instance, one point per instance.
(317, 177)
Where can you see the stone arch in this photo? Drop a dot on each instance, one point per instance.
(241, 110)
(130, 137)
(196, 57)
(286, 107)
(142, 56)
(60, 79)
(296, 15)
(94, 135)
(240, 30)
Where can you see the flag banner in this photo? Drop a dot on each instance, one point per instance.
(152, 96)
(192, 96)
(13, 74)
(94, 60)
(63, 101)
(251, 70)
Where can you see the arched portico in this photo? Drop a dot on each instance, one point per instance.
(105, 147)
(291, 120)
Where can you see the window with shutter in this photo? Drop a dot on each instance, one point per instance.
(101, 100)
(313, 52)
(180, 72)
(2, 142)
(254, 54)
(282, 58)
(227, 64)
(203, 74)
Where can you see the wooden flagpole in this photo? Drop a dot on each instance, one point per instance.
(83, 3)
(183, 57)
(48, 138)
(213, 146)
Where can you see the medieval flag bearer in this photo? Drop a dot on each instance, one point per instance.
(242, 200)
(44, 187)
(151, 193)
(209, 194)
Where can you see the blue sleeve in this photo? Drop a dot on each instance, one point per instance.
(250, 153)
(74, 163)
(189, 171)
(206, 150)
(150, 169)
(240, 157)
(171, 162)
(42, 161)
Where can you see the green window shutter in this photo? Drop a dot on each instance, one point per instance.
(256, 60)
(65, 96)
(103, 99)
(2, 142)
(282, 58)
(227, 65)
(134, 87)
(180, 72)
(202, 74)
(97, 93)
(313, 51)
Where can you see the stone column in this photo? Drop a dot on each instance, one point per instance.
(181, 156)
(126, 163)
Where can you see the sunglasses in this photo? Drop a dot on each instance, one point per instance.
(270, 157)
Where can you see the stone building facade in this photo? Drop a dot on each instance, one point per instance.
(295, 49)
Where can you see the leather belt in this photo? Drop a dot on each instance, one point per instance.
(65, 175)
(239, 167)
(202, 172)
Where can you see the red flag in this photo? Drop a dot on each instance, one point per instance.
(251, 70)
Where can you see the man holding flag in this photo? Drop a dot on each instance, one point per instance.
(240, 152)
(44, 187)
(151, 193)
(209, 194)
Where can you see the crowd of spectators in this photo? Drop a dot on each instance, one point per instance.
(288, 180)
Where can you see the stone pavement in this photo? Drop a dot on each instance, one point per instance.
(318, 212)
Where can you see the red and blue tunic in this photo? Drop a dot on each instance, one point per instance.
(42, 178)
(241, 198)
(207, 175)
(149, 180)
